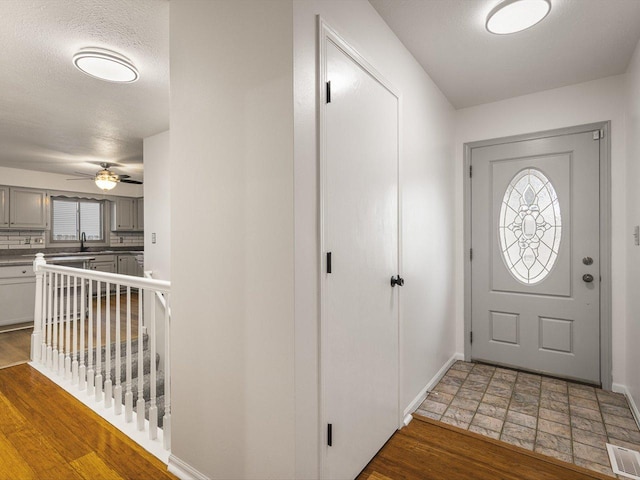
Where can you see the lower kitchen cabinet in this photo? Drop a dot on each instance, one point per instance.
(104, 263)
(17, 294)
(129, 265)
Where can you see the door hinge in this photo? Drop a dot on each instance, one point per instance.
(328, 92)
(470, 337)
(329, 434)
(598, 134)
(470, 171)
(328, 262)
(470, 254)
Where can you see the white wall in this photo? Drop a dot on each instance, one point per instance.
(428, 215)
(633, 214)
(232, 237)
(157, 205)
(583, 103)
(157, 220)
(55, 181)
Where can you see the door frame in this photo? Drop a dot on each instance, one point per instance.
(327, 33)
(605, 234)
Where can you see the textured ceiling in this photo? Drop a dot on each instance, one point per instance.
(580, 40)
(54, 118)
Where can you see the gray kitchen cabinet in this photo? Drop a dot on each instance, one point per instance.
(27, 208)
(123, 214)
(4, 207)
(127, 265)
(140, 214)
(17, 294)
(104, 263)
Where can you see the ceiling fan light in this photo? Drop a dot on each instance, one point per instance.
(513, 16)
(105, 65)
(106, 180)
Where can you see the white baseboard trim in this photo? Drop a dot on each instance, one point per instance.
(183, 470)
(432, 383)
(619, 388)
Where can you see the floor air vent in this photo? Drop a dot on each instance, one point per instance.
(624, 462)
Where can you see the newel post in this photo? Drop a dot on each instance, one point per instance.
(36, 336)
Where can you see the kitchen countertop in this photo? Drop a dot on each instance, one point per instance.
(61, 257)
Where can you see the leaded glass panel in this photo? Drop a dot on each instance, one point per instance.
(530, 226)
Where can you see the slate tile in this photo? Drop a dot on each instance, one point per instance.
(589, 438)
(585, 413)
(498, 401)
(469, 394)
(522, 419)
(465, 403)
(592, 454)
(492, 410)
(554, 416)
(483, 431)
(554, 428)
(518, 431)
(490, 423)
(588, 425)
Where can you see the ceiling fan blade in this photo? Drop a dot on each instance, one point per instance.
(82, 174)
(87, 178)
(135, 182)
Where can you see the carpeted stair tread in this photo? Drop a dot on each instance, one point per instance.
(123, 349)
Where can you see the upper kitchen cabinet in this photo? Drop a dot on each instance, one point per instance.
(140, 214)
(27, 208)
(127, 214)
(4, 207)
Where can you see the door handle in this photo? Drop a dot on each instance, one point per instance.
(397, 281)
(587, 278)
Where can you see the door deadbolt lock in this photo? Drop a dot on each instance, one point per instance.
(397, 281)
(587, 278)
(587, 261)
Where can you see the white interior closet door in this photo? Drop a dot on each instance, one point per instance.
(360, 229)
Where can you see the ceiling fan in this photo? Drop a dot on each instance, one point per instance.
(106, 179)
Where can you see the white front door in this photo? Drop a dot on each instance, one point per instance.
(360, 230)
(536, 255)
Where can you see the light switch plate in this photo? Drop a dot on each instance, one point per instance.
(636, 235)
(153, 238)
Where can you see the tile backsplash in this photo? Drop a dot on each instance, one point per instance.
(129, 239)
(13, 239)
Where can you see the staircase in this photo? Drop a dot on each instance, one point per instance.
(74, 312)
(146, 368)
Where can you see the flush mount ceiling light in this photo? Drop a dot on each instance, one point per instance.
(105, 65)
(513, 16)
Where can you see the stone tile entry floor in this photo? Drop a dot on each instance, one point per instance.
(566, 420)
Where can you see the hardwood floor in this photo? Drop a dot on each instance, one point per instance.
(46, 434)
(430, 450)
(15, 347)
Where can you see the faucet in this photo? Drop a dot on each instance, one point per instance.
(83, 238)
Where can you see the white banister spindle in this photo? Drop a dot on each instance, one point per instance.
(128, 396)
(61, 324)
(117, 391)
(82, 371)
(98, 385)
(74, 351)
(153, 408)
(140, 403)
(108, 384)
(54, 352)
(91, 376)
(43, 332)
(166, 421)
(36, 336)
(49, 319)
(67, 357)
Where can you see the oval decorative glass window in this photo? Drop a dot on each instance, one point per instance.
(530, 226)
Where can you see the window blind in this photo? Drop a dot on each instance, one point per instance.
(65, 220)
(72, 217)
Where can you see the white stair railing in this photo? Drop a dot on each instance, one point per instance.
(67, 299)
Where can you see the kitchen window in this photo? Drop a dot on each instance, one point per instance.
(71, 217)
